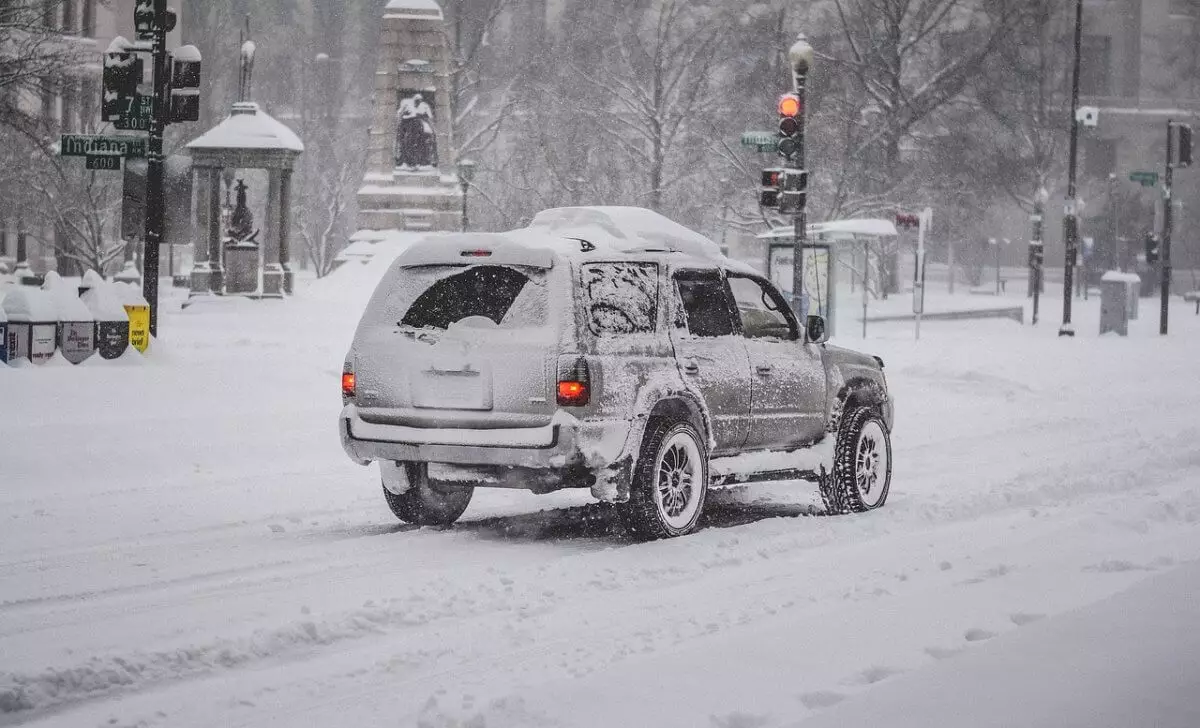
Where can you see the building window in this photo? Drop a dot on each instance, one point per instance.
(1184, 8)
(1095, 66)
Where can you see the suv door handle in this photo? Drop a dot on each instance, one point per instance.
(691, 367)
(764, 369)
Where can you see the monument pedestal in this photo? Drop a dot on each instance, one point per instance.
(410, 125)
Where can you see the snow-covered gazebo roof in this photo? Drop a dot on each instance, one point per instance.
(427, 9)
(248, 137)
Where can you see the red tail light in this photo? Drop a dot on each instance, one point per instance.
(574, 383)
(347, 384)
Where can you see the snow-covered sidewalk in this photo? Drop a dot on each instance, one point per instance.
(185, 544)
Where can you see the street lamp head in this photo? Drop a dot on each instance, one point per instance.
(466, 171)
(801, 55)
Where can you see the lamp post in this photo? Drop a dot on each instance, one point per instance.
(1037, 248)
(724, 182)
(1071, 218)
(466, 173)
(801, 57)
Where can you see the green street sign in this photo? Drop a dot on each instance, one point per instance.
(763, 141)
(137, 116)
(105, 162)
(81, 145)
(1145, 179)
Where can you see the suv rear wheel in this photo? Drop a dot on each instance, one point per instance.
(424, 504)
(670, 482)
(862, 464)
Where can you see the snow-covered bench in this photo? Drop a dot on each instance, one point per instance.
(1194, 297)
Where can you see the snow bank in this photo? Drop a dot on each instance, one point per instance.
(30, 305)
(69, 307)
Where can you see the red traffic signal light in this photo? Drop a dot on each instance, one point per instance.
(907, 221)
(772, 177)
(789, 105)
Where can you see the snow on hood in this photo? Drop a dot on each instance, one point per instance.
(624, 229)
(66, 300)
(30, 305)
(249, 127)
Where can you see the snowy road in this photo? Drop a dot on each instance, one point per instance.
(183, 543)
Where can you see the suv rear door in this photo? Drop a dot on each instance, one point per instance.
(470, 345)
(787, 408)
(710, 354)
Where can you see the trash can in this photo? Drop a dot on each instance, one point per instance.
(3, 331)
(32, 324)
(138, 311)
(1116, 290)
(76, 325)
(112, 323)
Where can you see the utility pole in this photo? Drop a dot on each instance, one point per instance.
(1071, 218)
(801, 57)
(155, 203)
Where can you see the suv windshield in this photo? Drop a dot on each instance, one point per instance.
(487, 296)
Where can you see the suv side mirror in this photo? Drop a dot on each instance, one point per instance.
(817, 334)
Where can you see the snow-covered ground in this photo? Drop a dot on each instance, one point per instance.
(183, 543)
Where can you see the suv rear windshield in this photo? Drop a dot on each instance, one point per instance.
(622, 298)
(483, 296)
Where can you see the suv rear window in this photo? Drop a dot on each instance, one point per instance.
(621, 298)
(437, 297)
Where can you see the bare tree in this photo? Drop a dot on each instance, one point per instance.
(83, 207)
(323, 215)
(35, 56)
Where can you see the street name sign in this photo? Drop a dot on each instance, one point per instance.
(1145, 179)
(104, 161)
(81, 145)
(137, 117)
(763, 141)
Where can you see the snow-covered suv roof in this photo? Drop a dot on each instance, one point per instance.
(570, 232)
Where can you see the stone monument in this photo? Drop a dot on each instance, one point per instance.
(410, 182)
(233, 261)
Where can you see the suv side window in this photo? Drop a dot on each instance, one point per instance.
(621, 298)
(706, 304)
(762, 310)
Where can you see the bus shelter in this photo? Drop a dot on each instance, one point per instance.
(824, 242)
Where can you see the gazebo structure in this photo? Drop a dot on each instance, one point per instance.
(248, 138)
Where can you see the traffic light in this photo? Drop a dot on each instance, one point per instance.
(772, 182)
(1036, 255)
(1152, 242)
(908, 221)
(794, 191)
(185, 84)
(1183, 157)
(122, 74)
(790, 110)
(143, 19)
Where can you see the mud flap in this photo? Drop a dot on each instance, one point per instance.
(395, 477)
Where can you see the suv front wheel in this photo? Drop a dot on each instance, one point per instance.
(670, 482)
(862, 464)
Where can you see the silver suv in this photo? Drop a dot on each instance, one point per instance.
(610, 349)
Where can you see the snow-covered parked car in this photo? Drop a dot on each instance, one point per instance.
(610, 349)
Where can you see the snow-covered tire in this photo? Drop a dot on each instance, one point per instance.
(862, 464)
(670, 482)
(424, 504)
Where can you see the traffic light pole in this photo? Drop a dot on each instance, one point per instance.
(1165, 253)
(800, 217)
(1071, 218)
(154, 164)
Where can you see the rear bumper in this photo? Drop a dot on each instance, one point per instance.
(560, 445)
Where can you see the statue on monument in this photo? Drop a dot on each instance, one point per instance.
(416, 140)
(241, 222)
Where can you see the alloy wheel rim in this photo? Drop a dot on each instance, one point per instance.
(871, 464)
(677, 481)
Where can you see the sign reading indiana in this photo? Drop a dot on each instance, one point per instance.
(81, 145)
